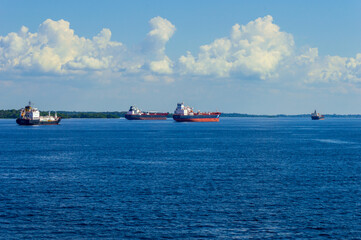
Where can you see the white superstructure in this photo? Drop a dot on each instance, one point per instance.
(133, 110)
(316, 114)
(183, 110)
(30, 113)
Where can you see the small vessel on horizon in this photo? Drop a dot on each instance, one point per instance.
(317, 116)
(135, 113)
(186, 114)
(31, 116)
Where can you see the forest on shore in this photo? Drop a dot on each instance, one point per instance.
(13, 113)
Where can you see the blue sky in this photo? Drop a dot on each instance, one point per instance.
(257, 57)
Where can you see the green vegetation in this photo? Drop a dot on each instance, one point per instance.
(65, 114)
(13, 113)
(285, 115)
(263, 115)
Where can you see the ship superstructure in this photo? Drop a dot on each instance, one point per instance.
(31, 116)
(186, 114)
(317, 116)
(135, 113)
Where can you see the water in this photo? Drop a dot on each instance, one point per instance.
(240, 178)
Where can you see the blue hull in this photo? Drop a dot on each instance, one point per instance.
(317, 118)
(28, 122)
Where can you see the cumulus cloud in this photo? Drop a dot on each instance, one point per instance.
(56, 49)
(258, 49)
(154, 45)
(162, 66)
(308, 67)
(162, 31)
(334, 69)
(253, 49)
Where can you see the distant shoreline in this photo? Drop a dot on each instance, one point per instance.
(13, 113)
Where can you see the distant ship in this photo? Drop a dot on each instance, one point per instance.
(31, 116)
(135, 113)
(186, 114)
(316, 116)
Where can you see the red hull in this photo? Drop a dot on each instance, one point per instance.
(198, 120)
(161, 116)
(198, 117)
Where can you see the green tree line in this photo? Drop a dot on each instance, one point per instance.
(13, 113)
(65, 114)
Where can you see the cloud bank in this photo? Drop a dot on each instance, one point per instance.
(334, 69)
(258, 49)
(254, 49)
(56, 49)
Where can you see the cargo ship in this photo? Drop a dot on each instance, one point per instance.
(186, 114)
(31, 116)
(316, 116)
(135, 113)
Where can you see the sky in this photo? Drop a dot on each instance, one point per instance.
(254, 57)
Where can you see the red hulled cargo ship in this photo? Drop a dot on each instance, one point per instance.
(186, 114)
(135, 113)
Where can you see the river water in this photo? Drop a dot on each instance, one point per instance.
(261, 178)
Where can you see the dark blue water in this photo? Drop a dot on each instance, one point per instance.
(239, 178)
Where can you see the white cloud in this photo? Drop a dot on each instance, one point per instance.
(258, 49)
(162, 31)
(254, 49)
(154, 45)
(162, 66)
(56, 49)
(308, 56)
(336, 69)
(325, 69)
(154, 78)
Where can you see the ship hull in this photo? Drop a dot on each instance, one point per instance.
(145, 117)
(317, 118)
(28, 122)
(196, 118)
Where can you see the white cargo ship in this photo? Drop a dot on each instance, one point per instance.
(31, 116)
